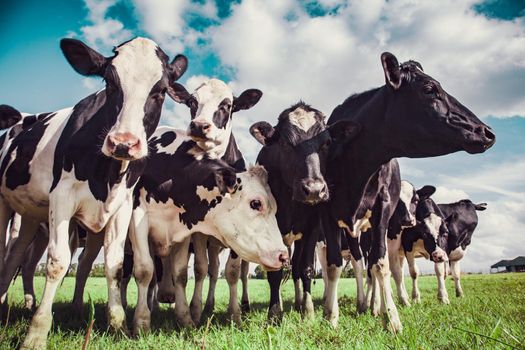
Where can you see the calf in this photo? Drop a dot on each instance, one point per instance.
(294, 154)
(411, 116)
(183, 191)
(82, 163)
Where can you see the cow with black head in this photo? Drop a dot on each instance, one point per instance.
(295, 153)
(410, 116)
(82, 163)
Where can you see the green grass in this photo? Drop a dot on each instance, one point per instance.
(489, 299)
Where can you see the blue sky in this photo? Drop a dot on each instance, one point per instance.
(319, 51)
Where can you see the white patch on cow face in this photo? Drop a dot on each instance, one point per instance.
(139, 69)
(253, 234)
(406, 194)
(209, 96)
(433, 222)
(302, 119)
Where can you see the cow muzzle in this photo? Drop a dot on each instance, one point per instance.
(199, 130)
(311, 191)
(123, 146)
(275, 260)
(439, 256)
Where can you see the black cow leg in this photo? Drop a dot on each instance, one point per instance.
(275, 311)
(307, 272)
(296, 274)
(335, 261)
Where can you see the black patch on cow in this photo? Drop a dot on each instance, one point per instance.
(8, 116)
(223, 114)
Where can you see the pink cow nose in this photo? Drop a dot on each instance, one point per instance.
(438, 256)
(284, 258)
(123, 145)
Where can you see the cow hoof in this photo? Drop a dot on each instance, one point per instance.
(459, 294)
(196, 314)
(117, 319)
(208, 309)
(236, 318)
(275, 313)
(141, 326)
(444, 301)
(34, 343)
(245, 306)
(394, 326)
(404, 302)
(333, 318)
(79, 309)
(416, 300)
(185, 322)
(29, 302)
(308, 307)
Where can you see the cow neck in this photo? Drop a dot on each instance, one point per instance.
(362, 157)
(233, 156)
(78, 147)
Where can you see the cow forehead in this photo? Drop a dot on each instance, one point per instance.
(213, 91)
(407, 192)
(254, 185)
(138, 64)
(302, 118)
(433, 222)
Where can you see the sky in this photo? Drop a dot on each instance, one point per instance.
(318, 51)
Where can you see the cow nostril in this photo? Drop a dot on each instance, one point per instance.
(283, 257)
(489, 134)
(205, 126)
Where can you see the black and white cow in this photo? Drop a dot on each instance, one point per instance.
(82, 163)
(183, 191)
(294, 154)
(410, 116)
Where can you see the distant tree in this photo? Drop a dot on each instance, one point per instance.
(259, 274)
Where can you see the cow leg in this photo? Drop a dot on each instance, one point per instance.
(414, 274)
(307, 271)
(373, 297)
(357, 265)
(142, 268)
(275, 310)
(17, 253)
(114, 242)
(214, 250)
(321, 256)
(58, 258)
(37, 249)
(440, 270)
(5, 217)
(200, 268)
(396, 267)
(245, 299)
(233, 274)
(296, 274)
(94, 242)
(456, 275)
(127, 271)
(333, 271)
(166, 285)
(180, 274)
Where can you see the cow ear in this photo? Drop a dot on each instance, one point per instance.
(82, 58)
(344, 130)
(480, 206)
(391, 69)
(226, 180)
(178, 93)
(264, 133)
(426, 191)
(178, 66)
(452, 217)
(246, 100)
(8, 116)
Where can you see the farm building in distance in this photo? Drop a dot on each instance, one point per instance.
(514, 265)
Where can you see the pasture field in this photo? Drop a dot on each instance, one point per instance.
(494, 305)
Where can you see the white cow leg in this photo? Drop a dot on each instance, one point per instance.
(357, 265)
(321, 256)
(414, 274)
(114, 241)
(17, 253)
(245, 299)
(455, 269)
(233, 274)
(58, 259)
(213, 270)
(180, 274)
(331, 306)
(142, 269)
(37, 249)
(441, 275)
(94, 242)
(200, 268)
(381, 271)
(5, 217)
(375, 302)
(396, 267)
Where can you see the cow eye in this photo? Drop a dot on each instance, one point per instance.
(430, 89)
(256, 205)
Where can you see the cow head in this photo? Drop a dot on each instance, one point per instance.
(432, 229)
(137, 78)
(406, 207)
(212, 105)
(430, 121)
(245, 219)
(303, 140)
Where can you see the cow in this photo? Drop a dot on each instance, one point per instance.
(294, 155)
(82, 163)
(211, 105)
(410, 116)
(183, 191)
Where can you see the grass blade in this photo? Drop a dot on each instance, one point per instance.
(91, 322)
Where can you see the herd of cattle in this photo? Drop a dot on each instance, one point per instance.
(104, 173)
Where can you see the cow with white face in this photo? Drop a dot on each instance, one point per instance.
(183, 191)
(54, 167)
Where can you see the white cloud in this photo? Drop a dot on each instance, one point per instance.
(103, 32)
